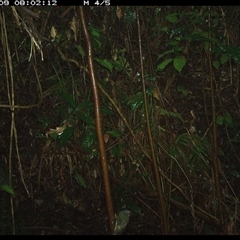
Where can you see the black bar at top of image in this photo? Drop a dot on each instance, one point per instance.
(117, 3)
(97, 3)
(105, 3)
(29, 3)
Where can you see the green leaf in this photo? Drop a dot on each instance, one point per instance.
(163, 54)
(157, 11)
(121, 63)
(164, 29)
(106, 110)
(216, 64)
(219, 120)
(150, 91)
(196, 36)
(135, 101)
(89, 139)
(94, 31)
(224, 58)
(80, 50)
(232, 52)
(162, 129)
(206, 45)
(173, 114)
(115, 133)
(179, 62)
(172, 17)
(97, 44)
(85, 106)
(164, 64)
(217, 50)
(105, 63)
(80, 180)
(66, 134)
(173, 43)
(116, 151)
(54, 136)
(182, 90)
(176, 115)
(68, 98)
(6, 188)
(228, 117)
(86, 118)
(163, 112)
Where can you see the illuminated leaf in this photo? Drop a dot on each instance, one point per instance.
(179, 62)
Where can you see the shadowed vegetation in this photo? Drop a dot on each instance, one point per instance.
(188, 70)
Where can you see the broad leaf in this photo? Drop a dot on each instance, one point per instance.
(164, 64)
(179, 62)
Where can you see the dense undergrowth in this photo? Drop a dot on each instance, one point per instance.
(49, 148)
